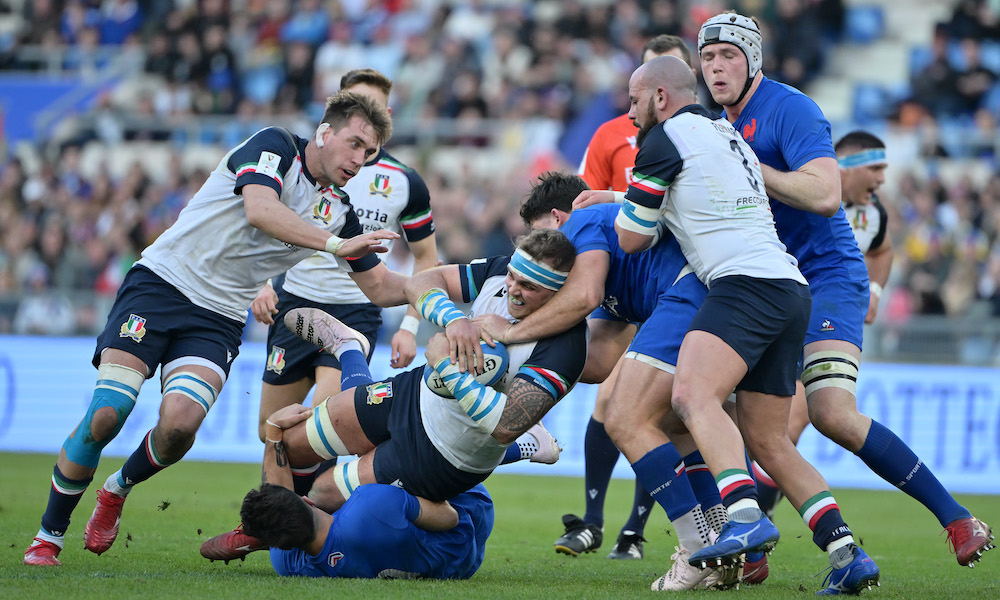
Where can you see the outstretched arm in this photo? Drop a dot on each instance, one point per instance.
(381, 285)
(266, 212)
(404, 342)
(431, 293)
(581, 294)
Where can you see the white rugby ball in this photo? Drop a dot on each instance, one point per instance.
(495, 361)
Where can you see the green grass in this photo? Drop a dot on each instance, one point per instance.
(156, 555)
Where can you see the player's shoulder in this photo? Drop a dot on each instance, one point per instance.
(386, 160)
(786, 99)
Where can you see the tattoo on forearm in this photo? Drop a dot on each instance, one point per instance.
(280, 458)
(526, 404)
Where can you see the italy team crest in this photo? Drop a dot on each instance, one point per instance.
(380, 186)
(860, 220)
(377, 392)
(134, 328)
(276, 360)
(323, 210)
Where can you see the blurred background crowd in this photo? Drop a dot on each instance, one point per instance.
(488, 94)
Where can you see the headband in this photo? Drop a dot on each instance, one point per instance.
(865, 158)
(536, 271)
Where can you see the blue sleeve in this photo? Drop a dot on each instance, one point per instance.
(802, 131)
(263, 159)
(352, 228)
(475, 274)
(657, 165)
(585, 228)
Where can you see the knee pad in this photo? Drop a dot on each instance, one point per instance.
(346, 478)
(323, 439)
(118, 387)
(191, 386)
(830, 368)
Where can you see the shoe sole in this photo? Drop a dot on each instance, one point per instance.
(623, 556)
(729, 560)
(977, 555)
(314, 326)
(570, 552)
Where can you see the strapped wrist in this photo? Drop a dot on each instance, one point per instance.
(410, 323)
(333, 244)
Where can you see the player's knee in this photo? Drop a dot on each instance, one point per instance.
(179, 418)
(114, 398)
(104, 424)
(621, 422)
(681, 401)
(837, 424)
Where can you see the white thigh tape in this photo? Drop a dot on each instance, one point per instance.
(323, 439)
(830, 368)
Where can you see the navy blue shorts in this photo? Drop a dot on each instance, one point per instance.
(154, 321)
(389, 413)
(764, 321)
(290, 358)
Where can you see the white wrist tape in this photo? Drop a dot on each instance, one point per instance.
(876, 288)
(410, 323)
(333, 244)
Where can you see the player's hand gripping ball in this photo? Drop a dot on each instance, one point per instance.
(495, 361)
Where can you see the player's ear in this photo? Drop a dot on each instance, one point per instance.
(319, 134)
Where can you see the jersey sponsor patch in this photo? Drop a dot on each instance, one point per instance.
(334, 558)
(134, 328)
(267, 164)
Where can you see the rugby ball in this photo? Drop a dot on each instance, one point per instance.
(496, 361)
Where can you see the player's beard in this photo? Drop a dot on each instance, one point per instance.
(649, 122)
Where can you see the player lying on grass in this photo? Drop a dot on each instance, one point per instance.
(432, 446)
(381, 531)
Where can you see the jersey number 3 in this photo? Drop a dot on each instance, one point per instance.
(735, 147)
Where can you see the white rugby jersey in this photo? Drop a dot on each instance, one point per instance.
(385, 194)
(868, 221)
(554, 363)
(709, 184)
(215, 257)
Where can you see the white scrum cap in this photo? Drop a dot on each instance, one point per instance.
(740, 31)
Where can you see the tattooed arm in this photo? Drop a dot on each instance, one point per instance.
(275, 468)
(526, 404)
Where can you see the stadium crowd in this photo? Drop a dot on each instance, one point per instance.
(558, 66)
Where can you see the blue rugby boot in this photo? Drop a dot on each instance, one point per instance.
(735, 540)
(860, 574)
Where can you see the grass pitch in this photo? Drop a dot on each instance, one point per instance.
(167, 518)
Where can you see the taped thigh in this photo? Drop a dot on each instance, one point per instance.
(323, 438)
(191, 386)
(830, 368)
(117, 387)
(346, 478)
(651, 361)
